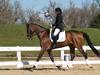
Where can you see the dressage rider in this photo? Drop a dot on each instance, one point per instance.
(57, 27)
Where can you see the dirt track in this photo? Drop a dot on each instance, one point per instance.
(52, 70)
(44, 70)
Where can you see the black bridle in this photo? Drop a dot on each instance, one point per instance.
(30, 32)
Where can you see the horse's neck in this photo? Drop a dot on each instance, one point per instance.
(39, 29)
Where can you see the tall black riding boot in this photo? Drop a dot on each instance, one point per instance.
(54, 44)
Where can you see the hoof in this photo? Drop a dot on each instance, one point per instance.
(59, 67)
(90, 66)
(65, 68)
(33, 68)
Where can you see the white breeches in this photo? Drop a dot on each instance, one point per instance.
(56, 31)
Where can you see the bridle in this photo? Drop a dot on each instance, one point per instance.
(30, 32)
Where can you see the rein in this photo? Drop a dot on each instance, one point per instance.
(40, 31)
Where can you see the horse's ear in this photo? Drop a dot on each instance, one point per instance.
(27, 24)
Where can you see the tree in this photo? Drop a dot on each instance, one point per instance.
(18, 11)
(68, 14)
(97, 2)
(80, 17)
(6, 11)
(32, 16)
(95, 22)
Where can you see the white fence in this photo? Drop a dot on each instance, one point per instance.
(20, 63)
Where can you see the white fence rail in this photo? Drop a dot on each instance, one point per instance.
(20, 63)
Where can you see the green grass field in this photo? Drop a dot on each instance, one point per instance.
(15, 35)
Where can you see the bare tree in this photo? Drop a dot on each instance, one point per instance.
(69, 17)
(18, 11)
(6, 11)
(98, 2)
(51, 10)
(80, 17)
(31, 16)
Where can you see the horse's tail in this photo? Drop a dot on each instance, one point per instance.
(86, 36)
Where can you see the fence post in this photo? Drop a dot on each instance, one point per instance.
(66, 60)
(62, 55)
(63, 61)
(19, 64)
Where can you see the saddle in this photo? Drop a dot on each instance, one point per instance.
(61, 37)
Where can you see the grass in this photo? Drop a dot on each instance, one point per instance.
(13, 35)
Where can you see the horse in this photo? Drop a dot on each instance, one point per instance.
(74, 39)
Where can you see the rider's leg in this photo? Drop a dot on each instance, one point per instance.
(55, 37)
(56, 32)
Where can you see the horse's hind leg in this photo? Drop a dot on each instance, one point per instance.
(85, 56)
(72, 52)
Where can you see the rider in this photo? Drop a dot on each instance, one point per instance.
(57, 27)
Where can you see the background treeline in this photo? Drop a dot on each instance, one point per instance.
(14, 13)
(88, 15)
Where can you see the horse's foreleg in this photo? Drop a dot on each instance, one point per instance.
(52, 59)
(40, 55)
(50, 55)
(38, 58)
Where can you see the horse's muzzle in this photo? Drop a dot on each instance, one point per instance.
(29, 37)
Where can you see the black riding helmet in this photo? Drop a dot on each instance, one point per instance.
(58, 10)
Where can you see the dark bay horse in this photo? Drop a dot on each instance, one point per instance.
(74, 39)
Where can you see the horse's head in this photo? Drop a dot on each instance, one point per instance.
(30, 31)
(34, 29)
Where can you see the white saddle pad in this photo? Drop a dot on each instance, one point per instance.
(61, 36)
